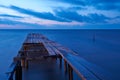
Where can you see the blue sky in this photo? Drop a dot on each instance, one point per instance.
(59, 14)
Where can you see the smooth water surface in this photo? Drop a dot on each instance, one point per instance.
(100, 47)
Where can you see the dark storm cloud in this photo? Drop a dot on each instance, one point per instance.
(74, 16)
(12, 16)
(43, 15)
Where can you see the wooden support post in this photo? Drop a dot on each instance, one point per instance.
(26, 64)
(70, 71)
(22, 55)
(18, 72)
(23, 63)
(60, 62)
(65, 66)
(25, 47)
(54, 58)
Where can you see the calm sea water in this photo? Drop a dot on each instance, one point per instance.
(100, 47)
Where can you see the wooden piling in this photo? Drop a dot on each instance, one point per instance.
(37, 47)
(26, 64)
(18, 72)
(60, 59)
(65, 66)
(70, 72)
(23, 63)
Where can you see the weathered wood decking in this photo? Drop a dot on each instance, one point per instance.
(37, 47)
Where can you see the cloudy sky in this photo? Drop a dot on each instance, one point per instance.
(59, 14)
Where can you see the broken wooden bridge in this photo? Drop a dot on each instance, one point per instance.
(37, 51)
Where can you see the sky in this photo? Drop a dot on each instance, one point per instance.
(59, 14)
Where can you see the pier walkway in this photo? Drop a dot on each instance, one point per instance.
(39, 56)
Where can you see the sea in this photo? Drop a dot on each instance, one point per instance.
(98, 46)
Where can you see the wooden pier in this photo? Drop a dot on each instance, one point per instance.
(37, 51)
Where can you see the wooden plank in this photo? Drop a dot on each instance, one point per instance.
(50, 50)
(84, 69)
(90, 73)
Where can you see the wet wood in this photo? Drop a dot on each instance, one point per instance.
(60, 59)
(65, 66)
(70, 72)
(18, 72)
(38, 47)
